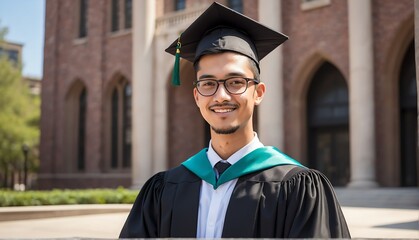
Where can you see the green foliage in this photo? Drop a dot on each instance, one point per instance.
(65, 197)
(19, 118)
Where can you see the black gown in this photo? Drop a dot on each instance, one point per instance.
(284, 201)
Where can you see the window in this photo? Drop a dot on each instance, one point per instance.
(127, 127)
(75, 128)
(82, 130)
(180, 5)
(128, 14)
(115, 16)
(236, 5)
(114, 129)
(83, 18)
(120, 15)
(11, 55)
(313, 4)
(120, 125)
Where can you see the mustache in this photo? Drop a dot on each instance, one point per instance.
(224, 105)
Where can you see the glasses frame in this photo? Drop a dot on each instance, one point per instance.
(223, 81)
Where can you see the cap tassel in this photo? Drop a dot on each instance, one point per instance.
(176, 74)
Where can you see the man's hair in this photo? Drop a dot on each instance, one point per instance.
(252, 64)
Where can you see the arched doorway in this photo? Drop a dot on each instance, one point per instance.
(74, 153)
(328, 124)
(408, 120)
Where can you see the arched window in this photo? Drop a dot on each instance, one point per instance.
(408, 120)
(328, 117)
(75, 130)
(82, 130)
(114, 128)
(127, 126)
(120, 125)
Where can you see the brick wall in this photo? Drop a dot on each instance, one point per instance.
(93, 61)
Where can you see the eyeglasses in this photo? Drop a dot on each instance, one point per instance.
(233, 85)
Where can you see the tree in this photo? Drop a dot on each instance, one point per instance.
(19, 119)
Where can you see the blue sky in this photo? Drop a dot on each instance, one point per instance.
(25, 20)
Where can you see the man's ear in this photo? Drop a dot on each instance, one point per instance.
(196, 95)
(260, 92)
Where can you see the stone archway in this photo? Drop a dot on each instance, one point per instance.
(408, 120)
(328, 124)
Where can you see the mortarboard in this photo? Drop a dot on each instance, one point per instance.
(221, 29)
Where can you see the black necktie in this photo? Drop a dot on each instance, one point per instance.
(221, 167)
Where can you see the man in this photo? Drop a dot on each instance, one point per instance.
(237, 188)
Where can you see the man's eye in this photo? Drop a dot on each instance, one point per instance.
(207, 84)
(236, 82)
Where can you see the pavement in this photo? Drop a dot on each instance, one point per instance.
(374, 213)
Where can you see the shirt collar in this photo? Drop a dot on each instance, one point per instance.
(250, 147)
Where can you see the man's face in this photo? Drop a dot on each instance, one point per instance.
(227, 113)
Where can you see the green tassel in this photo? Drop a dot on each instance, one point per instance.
(176, 74)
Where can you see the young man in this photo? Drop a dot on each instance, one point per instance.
(237, 188)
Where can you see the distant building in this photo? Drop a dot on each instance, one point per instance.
(34, 85)
(341, 92)
(12, 51)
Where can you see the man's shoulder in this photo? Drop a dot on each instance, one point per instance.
(277, 173)
(180, 174)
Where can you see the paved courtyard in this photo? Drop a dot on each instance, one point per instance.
(380, 213)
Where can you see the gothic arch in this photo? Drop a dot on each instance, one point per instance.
(117, 124)
(298, 108)
(327, 102)
(76, 100)
(388, 119)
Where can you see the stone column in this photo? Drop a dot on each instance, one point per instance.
(142, 86)
(417, 61)
(361, 94)
(160, 134)
(271, 126)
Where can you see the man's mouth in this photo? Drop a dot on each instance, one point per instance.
(223, 108)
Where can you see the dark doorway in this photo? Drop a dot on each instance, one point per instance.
(408, 120)
(328, 128)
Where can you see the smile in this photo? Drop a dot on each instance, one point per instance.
(222, 110)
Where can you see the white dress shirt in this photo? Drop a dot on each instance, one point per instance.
(213, 203)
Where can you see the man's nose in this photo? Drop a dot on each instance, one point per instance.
(221, 94)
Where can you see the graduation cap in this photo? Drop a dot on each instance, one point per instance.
(221, 29)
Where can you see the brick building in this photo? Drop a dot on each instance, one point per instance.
(341, 92)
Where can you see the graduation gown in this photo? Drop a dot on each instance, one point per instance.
(281, 201)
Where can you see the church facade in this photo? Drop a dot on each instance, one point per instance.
(341, 92)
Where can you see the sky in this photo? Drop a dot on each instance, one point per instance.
(25, 21)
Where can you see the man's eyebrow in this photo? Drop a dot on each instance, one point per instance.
(206, 76)
(235, 74)
(232, 74)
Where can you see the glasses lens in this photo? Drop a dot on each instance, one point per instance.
(236, 85)
(207, 87)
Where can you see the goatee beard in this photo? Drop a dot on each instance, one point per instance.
(225, 131)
